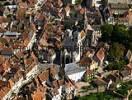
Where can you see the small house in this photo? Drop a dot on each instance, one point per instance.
(100, 56)
(129, 55)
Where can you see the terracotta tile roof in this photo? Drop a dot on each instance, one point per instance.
(58, 44)
(2, 59)
(15, 66)
(28, 68)
(21, 10)
(2, 93)
(101, 54)
(3, 19)
(1, 83)
(69, 84)
(129, 66)
(89, 53)
(34, 57)
(1, 69)
(2, 30)
(7, 38)
(37, 82)
(61, 82)
(55, 92)
(28, 61)
(11, 83)
(32, 2)
(44, 76)
(33, 26)
(26, 41)
(56, 84)
(1, 45)
(43, 42)
(54, 70)
(6, 89)
(82, 34)
(85, 61)
(38, 95)
(6, 64)
(17, 46)
(49, 28)
(17, 76)
(39, 16)
(82, 11)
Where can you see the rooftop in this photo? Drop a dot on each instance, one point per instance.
(73, 68)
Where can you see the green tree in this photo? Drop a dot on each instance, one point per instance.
(99, 96)
(130, 34)
(117, 51)
(106, 30)
(116, 65)
(130, 45)
(120, 33)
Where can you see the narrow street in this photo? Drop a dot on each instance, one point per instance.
(32, 74)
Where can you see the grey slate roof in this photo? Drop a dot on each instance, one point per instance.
(73, 68)
(8, 33)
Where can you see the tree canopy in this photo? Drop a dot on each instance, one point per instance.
(120, 32)
(117, 33)
(116, 65)
(106, 30)
(117, 51)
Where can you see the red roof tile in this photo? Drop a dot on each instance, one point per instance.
(26, 41)
(61, 82)
(21, 10)
(56, 84)
(6, 89)
(44, 76)
(6, 65)
(2, 59)
(11, 83)
(85, 61)
(129, 66)
(82, 10)
(3, 19)
(28, 61)
(2, 93)
(101, 54)
(38, 95)
(32, 2)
